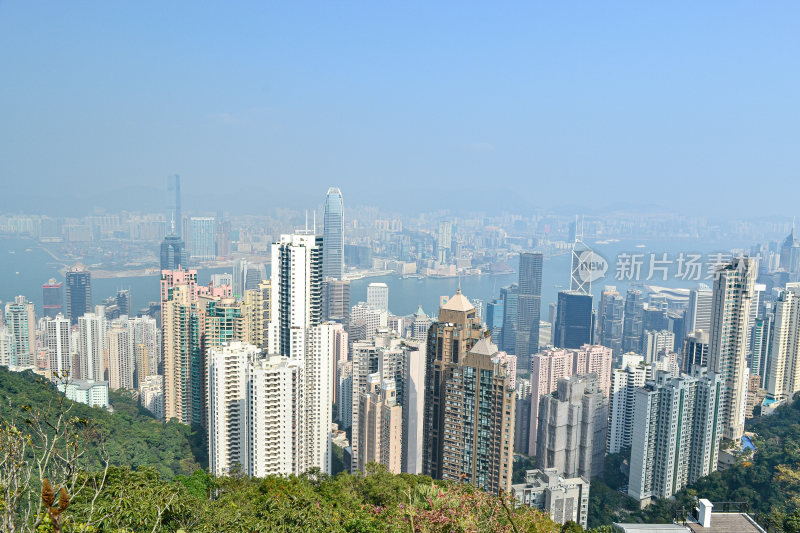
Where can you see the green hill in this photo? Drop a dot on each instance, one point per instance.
(131, 436)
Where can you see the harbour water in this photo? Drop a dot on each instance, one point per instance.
(25, 266)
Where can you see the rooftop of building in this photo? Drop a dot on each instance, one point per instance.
(651, 528)
(727, 523)
(458, 302)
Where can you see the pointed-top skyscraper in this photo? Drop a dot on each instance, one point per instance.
(333, 235)
(173, 248)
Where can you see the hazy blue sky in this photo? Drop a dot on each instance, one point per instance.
(406, 105)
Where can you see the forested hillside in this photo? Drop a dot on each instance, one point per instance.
(130, 436)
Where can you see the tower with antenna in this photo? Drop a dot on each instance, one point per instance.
(580, 274)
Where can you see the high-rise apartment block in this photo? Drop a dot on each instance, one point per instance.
(572, 428)
(296, 286)
(380, 425)
(784, 361)
(624, 383)
(57, 342)
(270, 415)
(21, 323)
(730, 336)
(452, 336)
(549, 366)
(91, 345)
(478, 438)
(677, 424)
(469, 403)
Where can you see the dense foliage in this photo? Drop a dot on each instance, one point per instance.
(130, 436)
(376, 502)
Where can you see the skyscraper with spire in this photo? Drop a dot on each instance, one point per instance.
(333, 235)
(173, 247)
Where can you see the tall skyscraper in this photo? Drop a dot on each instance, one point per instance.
(676, 433)
(21, 323)
(572, 428)
(296, 288)
(510, 297)
(444, 241)
(529, 307)
(698, 315)
(455, 333)
(333, 234)
(574, 320)
(174, 214)
(582, 263)
(784, 364)
(52, 298)
(729, 338)
(633, 322)
(378, 296)
(612, 312)
(173, 247)
(203, 238)
(57, 342)
(79, 292)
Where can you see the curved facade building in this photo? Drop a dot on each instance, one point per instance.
(333, 235)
